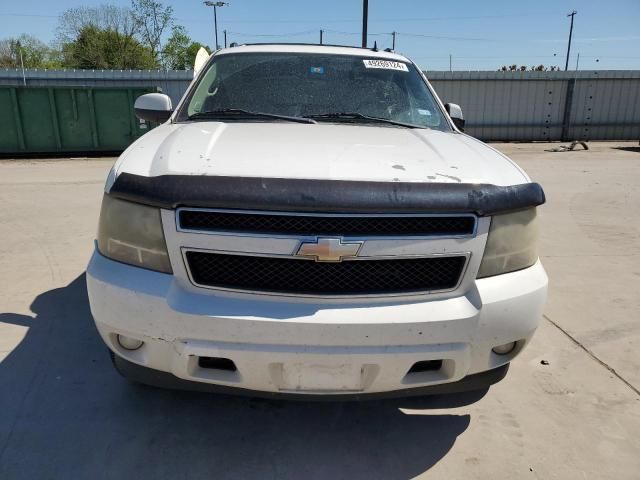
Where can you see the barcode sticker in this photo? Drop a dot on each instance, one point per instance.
(386, 64)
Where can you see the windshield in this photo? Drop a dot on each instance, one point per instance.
(327, 88)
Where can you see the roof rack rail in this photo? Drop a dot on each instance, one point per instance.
(305, 44)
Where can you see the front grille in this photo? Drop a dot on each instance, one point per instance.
(327, 225)
(297, 276)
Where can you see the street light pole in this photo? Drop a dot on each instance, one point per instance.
(365, 21)
(215, 16)
(566, 65)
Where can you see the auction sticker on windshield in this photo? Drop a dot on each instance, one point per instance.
(386, 64)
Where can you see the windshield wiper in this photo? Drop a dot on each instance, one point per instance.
(359, 116)
(238, 112)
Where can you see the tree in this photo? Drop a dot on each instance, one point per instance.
(35, 53)
(179, 53)
(97, 48)
(114, 46)
(522, 68)
(152, 19)
(124, 37)
(105, 17)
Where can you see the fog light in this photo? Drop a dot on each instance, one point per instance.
(504, 349)
(129, 343)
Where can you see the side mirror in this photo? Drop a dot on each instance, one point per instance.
(455, 112)
(153, 107)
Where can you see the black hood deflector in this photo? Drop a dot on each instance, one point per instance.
(324, 196)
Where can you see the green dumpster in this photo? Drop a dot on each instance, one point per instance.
(57, 120)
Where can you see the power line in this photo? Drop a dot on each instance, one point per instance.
(520, 56)
(420, 35)
(339, 32)
(470, 17)
(345, 20)
(411, 19)
(291, 34)
(27, 15)
(609, 56)
(438, 37)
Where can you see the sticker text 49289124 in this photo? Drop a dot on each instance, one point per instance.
(386, 64)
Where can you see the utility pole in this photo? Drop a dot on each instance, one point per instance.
(225, 38)
(450, 64)
(365, 21)
(578, 62)
(19, 48)
(393, 45)
(215, 23)
(321, 32)
(566, 65)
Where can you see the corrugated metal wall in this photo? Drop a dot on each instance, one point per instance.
(587, 105)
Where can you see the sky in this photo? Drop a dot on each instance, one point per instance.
(474, 34)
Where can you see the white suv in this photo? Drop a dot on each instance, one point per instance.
(310, 220)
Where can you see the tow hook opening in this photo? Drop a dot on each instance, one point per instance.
(217, 363)
(426, 366)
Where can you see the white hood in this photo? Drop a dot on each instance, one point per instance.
(320, 151)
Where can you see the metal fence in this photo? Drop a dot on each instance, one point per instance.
(586, 105)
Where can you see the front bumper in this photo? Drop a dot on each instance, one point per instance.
(475, 382)
(314, 346)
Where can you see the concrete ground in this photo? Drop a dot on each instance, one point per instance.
(66, 414)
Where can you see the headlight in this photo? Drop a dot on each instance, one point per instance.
(132, 233)
(512, 244)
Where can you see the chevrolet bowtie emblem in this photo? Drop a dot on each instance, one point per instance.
(329, 249)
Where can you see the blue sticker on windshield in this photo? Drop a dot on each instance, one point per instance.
(318, 70)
